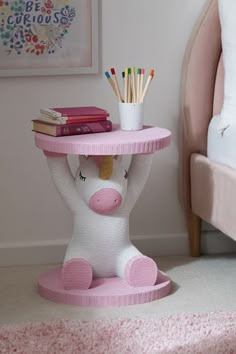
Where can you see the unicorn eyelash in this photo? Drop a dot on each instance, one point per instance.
(82, 177)
(126, 174)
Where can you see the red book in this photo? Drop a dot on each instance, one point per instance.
(69, 120)
(75, 111)
(72, 128)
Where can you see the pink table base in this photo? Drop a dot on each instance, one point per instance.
(103, 291)
(117, 142)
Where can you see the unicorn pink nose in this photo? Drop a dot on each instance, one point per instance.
(105, 201)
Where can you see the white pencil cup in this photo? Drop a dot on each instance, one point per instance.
(131, 116)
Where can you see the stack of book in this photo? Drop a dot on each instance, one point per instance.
(72, 121)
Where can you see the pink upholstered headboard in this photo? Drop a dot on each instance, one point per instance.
(219, 88)
(201, 92)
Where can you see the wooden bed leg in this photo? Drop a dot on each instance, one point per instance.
(194, 234)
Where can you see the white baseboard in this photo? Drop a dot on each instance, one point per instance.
(31, 252)
(53, 251)
(162, 245)
(212, 242)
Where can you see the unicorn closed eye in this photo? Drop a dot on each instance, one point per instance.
(101, 197)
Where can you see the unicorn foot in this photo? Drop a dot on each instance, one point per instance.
(77, 274)
(141, 271)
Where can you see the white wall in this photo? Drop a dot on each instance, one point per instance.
(151, 33)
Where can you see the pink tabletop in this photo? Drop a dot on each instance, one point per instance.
(117, 142)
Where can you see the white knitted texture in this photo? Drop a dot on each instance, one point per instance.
(222, 128)
(102, 240)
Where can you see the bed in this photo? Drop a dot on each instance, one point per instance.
(207, 189)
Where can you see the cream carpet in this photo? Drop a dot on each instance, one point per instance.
(204, 284)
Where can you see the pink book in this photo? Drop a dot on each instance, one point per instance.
(80, 111)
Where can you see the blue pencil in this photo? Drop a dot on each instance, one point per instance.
(111, 82)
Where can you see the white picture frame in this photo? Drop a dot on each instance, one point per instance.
(75, 43)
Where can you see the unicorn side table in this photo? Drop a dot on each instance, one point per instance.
(101, 266)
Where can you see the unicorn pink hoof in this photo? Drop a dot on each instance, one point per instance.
(77, 274)
(141, 271)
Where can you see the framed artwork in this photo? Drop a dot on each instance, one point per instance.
(48, 37)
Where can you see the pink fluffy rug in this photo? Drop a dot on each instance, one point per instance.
(193, 333)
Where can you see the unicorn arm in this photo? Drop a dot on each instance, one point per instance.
(139, 170)
(63, 179)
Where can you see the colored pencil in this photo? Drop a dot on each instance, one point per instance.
(116, 85)
(111, 82)
(150, 77)
(129, 85)
(138, 84)
(126, 84)
(123, 75)
(133, 85)
(141, 83)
